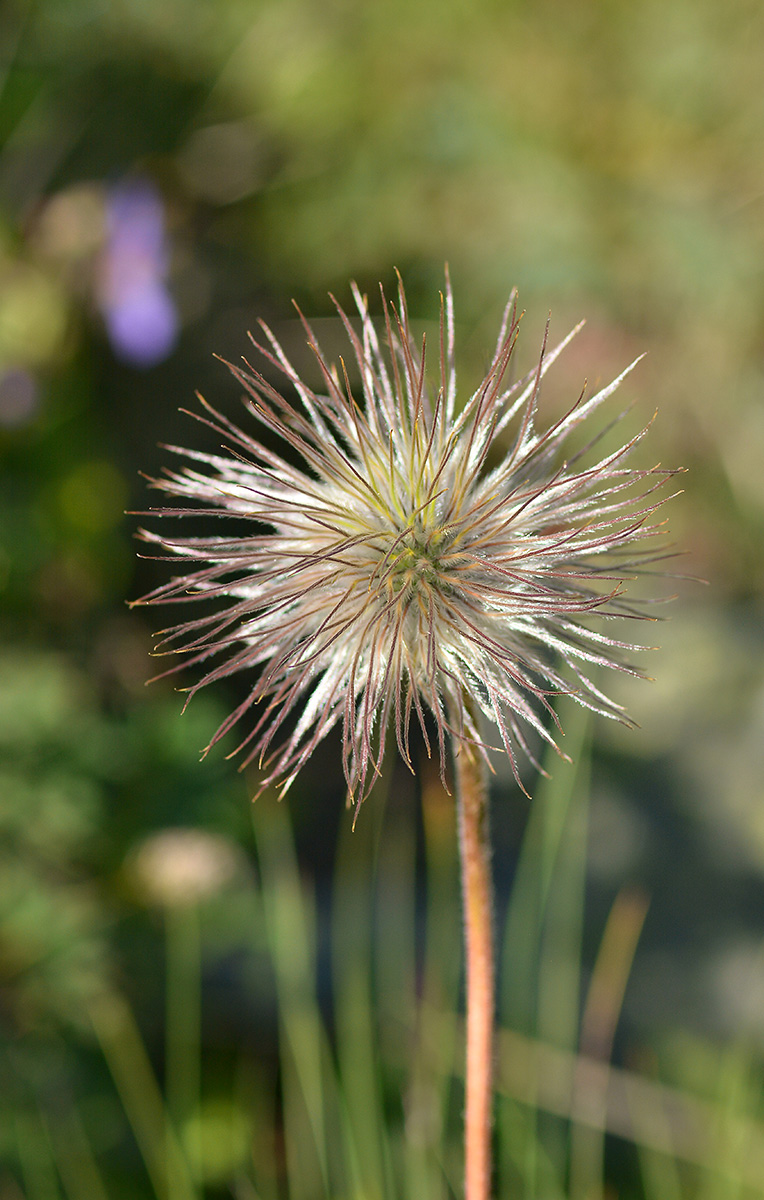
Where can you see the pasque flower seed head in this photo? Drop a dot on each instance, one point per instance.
(407, 551)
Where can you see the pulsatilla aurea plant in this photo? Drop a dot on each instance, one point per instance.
(395, 570)
(411, 551)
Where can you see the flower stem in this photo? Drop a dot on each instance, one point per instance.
(474, 848)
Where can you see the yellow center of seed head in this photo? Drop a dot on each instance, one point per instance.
(417, 564)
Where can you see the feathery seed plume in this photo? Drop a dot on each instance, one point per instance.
(391, 569)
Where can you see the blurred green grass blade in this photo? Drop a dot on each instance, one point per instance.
(397, 967)
(561, 934)
(394, 962)
(602, 1009)
(38, 1168)
(538, 859)
(394, 967)
(73, 1153)
(540, 960)
(355, 879)
(739, 1091)
(518, 1125)
(659, 1174)
(367, 1157)
(653, 1134)
(255, 1092)
(673, 1124)
(562, 913)
(378, 931)
(183, 1019)
(291, 935)
(124, 1051)
(435, 1068)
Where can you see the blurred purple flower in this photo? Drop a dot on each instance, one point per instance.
(19, 397)
(141, 319)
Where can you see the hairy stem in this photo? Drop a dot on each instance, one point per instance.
(478, 932)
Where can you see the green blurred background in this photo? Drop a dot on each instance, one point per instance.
(168, 173)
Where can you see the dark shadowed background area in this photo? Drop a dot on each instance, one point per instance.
(170, 172)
